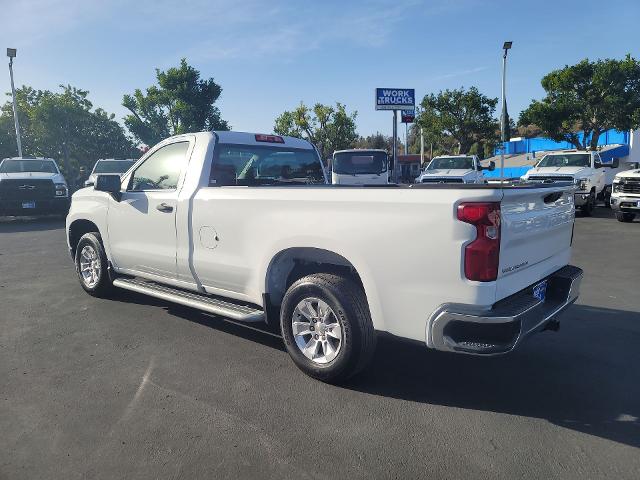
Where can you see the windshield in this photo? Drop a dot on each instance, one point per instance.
(566, 160)
(20, 166)
(112, 166)
(361, 162)
(451, 163)
(257, 165)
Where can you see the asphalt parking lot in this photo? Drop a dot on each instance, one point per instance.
(137, 388)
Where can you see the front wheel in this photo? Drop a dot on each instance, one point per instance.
(625, 217)
(91, 265)
(326, 327)
(587, 208)
(607, 198)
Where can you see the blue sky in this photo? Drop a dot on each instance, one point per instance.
(269, 56)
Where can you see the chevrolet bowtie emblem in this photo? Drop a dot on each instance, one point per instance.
(27, 187)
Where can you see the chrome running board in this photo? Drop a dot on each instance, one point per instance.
(224, 308)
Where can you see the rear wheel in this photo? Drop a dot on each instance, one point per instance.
(326, 327)
(625, 217)
(91, 265)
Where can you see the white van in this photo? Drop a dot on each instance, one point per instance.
(359, 167)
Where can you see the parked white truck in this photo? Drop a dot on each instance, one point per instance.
(108, 165)
(360, 167)
(454, 169)
(32, 186)
(246, 226)
(582, 168)
(625, 196)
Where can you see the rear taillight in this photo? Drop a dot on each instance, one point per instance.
(481, 256)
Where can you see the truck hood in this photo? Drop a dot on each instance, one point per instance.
(448, 173)
(573, 171)
(55, 177)
(452, 172)
(629, 174)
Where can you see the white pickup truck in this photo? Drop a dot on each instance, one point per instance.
(582, 168)
(247, 226)
(32, 186)
(625, 196)
(454, 169)
(108, 165)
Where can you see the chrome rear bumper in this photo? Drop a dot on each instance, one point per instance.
(464, 329)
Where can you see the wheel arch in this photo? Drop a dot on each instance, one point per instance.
(77, 229)
(293, 263)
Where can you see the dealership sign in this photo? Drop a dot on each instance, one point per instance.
(395, 99)
(407, 116)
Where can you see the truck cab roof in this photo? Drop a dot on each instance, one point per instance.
(30, 158)
(261, 139)
(360, 150)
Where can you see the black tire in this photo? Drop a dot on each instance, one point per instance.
(625, 217)
(350, 308)
(102, 286)
(587, 209)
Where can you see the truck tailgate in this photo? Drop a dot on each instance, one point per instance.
(536, 234)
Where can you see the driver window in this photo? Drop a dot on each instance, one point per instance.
(162, 169)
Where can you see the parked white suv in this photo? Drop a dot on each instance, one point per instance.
(582, 168)
(454, 169)
(625, 196)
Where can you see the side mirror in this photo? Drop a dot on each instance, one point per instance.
(108, 183)
(597, 165)
(615, 163)
(491, 167)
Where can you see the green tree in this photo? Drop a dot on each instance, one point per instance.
(465, 116)
(375, 141)
(591, 97)
(328, 128)
(181, 102)
(63, 126)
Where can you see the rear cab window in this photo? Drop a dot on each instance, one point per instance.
(258, 165)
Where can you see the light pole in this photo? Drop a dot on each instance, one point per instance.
(395, 146)
(11, 53)
(503, 116)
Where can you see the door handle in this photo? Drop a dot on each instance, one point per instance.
(163, 207)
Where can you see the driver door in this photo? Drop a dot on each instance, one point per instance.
(142, 225)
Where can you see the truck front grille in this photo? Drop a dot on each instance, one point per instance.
(629, 185)
(26, 189)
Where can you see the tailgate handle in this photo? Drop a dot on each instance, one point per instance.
(552, 197)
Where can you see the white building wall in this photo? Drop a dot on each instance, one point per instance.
(634, 146)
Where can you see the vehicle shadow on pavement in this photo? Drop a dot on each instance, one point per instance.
(255, 332)
(597, 213)
(586, 380)
(30, 224)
